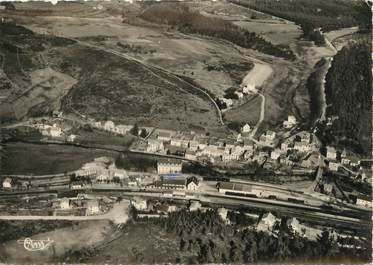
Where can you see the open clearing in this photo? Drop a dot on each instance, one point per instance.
(45, 159)
(47, 86)
(332, 35)
(117, 88)
(190, 56)
(258, 75)
(195, 57)
(82, 235)
(183, 55)
(277, 33)
(140, 244)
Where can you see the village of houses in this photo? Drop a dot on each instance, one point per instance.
(300, 150)
(282, 151)
(102, 172)
(276, 151)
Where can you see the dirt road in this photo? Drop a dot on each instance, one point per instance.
(257, 77)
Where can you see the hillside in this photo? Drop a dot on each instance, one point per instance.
(185, 20)
(311, 15)
(348, 95)
(94, 83)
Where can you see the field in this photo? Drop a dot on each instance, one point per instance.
(329, 15)
(258, 75)
(12, 230)
(184, 55)
(47, 89)
(141, 62)
(238, 114)
(21, 158)
(105, 139)
(144, 84)
(139, 244)
(136, 94)
(273, 31)
(66, 240)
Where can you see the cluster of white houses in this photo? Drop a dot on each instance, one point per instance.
(110, 126)
(240, 93)
(194, 146)
(199, 147)
(176, 183)
(54, 131)
(103, 171)
(86, 206)
(337, 159)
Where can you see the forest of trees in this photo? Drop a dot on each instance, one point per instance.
(314, 83)
(181, 18)
(205, 238)
(349, 98)
(310, 15)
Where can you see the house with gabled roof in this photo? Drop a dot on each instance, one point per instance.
(331, 153)
(246, 128)
(7, 183)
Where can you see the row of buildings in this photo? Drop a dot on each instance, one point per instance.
(341, 158)
(54, 131)
(194, 146)
(103, 171)
(84, 206)
(198, 147)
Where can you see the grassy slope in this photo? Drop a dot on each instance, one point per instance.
(108, 86)
(45, 159)
(22, 53)
(188, 21)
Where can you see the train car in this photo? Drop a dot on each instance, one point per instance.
(293, 200)
(167, 193)
(326, 207)
(240, 194)
(178, 194)
(216, 179)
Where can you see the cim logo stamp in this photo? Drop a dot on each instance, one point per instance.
(36, 245)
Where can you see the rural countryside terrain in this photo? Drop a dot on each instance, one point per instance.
(186, 132)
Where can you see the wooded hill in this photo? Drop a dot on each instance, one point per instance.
(181, 18)
(349, 97)
(327, 15)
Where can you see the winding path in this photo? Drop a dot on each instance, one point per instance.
(262, 114)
